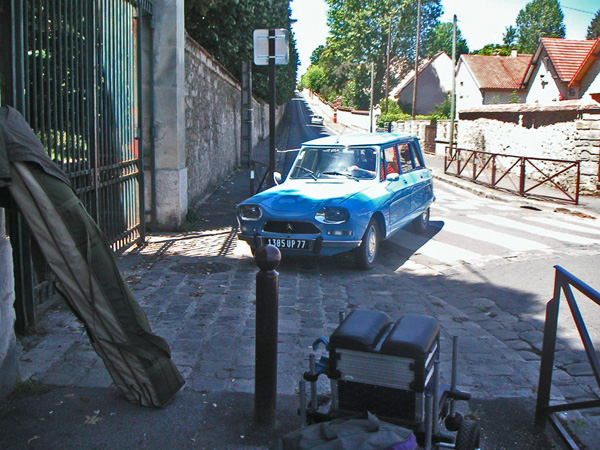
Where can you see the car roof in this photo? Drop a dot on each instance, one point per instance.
(360, 139)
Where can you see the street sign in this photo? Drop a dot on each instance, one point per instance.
(261, 47)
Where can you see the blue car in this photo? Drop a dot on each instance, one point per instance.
(342, 193)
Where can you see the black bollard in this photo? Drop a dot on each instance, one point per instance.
(267, 258)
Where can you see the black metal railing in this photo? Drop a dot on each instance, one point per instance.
(563, 284)
(76, 79)
(542, 178)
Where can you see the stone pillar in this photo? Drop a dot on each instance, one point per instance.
(9, 367)
(169, 114)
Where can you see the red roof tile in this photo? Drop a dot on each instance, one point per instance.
(567, 55)
(498, 72)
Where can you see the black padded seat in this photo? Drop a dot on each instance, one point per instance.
(361, 330)
(411, 337)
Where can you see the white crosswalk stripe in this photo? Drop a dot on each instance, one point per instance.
(445, 253)
(523, 227)
(513, 243)
(568, 225)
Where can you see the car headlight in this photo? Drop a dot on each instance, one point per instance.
(332, 214)
(250, 212)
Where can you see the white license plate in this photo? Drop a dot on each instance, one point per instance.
(290, 244)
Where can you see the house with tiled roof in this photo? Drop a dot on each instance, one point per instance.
(562, 69)
(487, 80)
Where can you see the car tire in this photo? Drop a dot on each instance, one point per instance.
(420, 224)
(366, 253)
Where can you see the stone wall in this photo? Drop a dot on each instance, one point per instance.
(551, 134)
(9, 368)
(213, 122)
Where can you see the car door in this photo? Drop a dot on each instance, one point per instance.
(400, 190)
(420, 178)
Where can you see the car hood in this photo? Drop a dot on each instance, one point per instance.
(306, 196)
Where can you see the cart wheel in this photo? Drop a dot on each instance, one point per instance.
(467, 437)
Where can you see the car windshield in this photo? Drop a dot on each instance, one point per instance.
(336, 162)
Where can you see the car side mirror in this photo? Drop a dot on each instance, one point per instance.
(277, 177)
(392, 176)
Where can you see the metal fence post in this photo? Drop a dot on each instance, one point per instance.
(267, 258)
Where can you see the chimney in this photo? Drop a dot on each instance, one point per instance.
(514, 53)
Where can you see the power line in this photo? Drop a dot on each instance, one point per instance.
(575, 9)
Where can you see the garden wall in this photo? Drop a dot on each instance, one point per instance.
(213, 122)
(567, 132)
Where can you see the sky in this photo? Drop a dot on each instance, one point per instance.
(480, 22)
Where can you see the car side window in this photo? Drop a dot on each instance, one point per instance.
(406, 158)
(391, 160)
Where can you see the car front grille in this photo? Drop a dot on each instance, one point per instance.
(285, 227)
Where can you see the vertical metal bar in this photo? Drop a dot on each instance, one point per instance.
(302, 389)
(522, 178)
(454, 376)
(272, 107)
(548, 349)
(140, 119)
(312, 369)
(63, 73)
(578, 181)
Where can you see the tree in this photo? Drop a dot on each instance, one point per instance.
(440, 40)
(509, 38)
(359, 31)
(539, 18)
(593, 31)
(316, 54)
(314, 78)
(225, 29)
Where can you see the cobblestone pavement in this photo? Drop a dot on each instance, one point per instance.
(198, 290)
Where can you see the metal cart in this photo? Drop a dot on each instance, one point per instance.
(390, 369)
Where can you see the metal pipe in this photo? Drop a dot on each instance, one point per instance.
(428, 420)
(312, 369)
(454, 376)
(302, 388)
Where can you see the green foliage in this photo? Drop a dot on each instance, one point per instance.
(593, 31)
(225, 29)
(491, 49)
(444, 109)
(359, 31)
(539, 18)
(316, 54)
(440, 40)
(314, 78)
(514, 97)
(509, 38)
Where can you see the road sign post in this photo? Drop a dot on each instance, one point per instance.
(271, 47)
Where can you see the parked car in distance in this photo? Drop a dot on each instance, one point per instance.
(316, 120)
(342, 193)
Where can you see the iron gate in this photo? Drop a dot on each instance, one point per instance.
(76, 78)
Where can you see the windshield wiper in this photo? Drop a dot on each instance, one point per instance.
(347, 175)
(311, 173)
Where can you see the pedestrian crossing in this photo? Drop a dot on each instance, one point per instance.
(466, 229)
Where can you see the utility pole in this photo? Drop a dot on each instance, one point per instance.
(387, 67)
(372, 94)
(453, 94)
(414, 102)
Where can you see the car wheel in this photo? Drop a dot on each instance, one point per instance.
(366, 253)
(421, 223)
